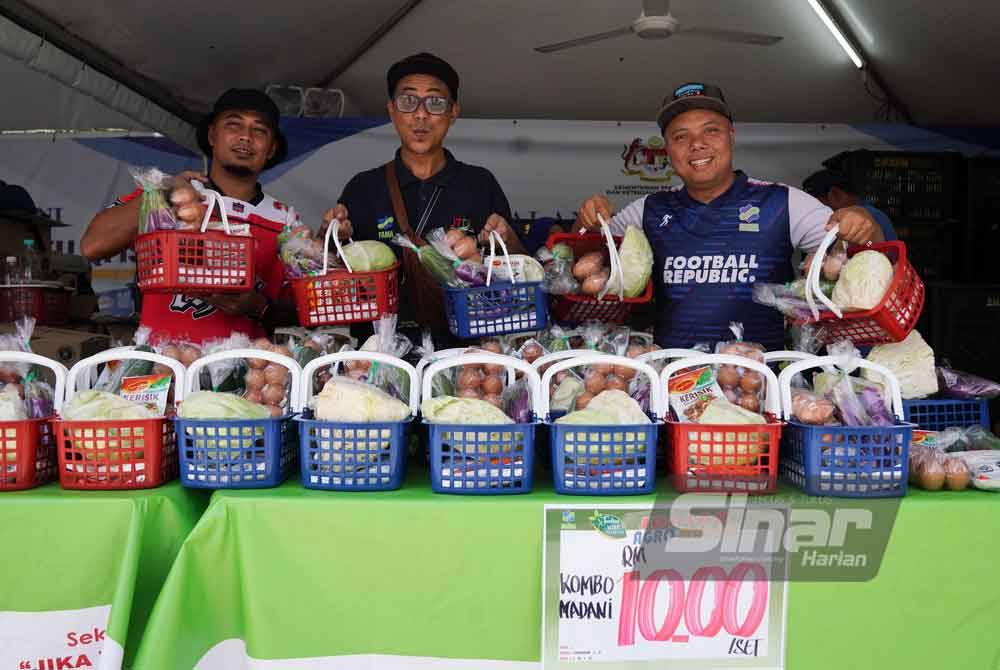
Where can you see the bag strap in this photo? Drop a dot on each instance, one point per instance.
(398, 207)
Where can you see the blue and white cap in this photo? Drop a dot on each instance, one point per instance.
(690, 96)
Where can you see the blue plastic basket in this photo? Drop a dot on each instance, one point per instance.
(847, 462)
(236, 454)
(482, 459)
(495, 310)
(603, 460)
(352, 456)
(947, 413)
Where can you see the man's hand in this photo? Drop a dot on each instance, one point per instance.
(186, 201)
(338, 212)
(856, 226)
(497, 224)
(250, 304)
(591, 207)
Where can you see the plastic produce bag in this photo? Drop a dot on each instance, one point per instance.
(110, 379)
(516, 402)
(19, 340)
(228, 375)
(211, 405)
(155, 213)
(741, 386)
(440, 266)
(637, 261)
(93, 404)
(863, 281)
(11, 404)
(810, 408)
(349, 401)
(966, 386)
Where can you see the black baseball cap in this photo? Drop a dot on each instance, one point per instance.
(16, 203)
(692, 96)
(250, 99)
(818, 184)
(423, 63)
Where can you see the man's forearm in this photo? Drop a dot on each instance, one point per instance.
(111, 231)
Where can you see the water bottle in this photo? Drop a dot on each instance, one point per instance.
(12, 271)
(32, 262)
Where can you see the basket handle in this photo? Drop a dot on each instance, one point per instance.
(120, 354)
(479, 358)
(547, 359)
(459, 351)
(656, 405)
(194, 371)
(812, 277)
(658, 354)
(57, 368)
(785, 379)
(213, 199)
(614, 258)
(772, 404)
(343, 356)
(331, 230)
(782, 356)
(494, 240)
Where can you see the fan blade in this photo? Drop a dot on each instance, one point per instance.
(730, 36)
(655, 7)
(559, 46)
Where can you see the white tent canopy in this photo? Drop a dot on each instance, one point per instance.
(175, 58)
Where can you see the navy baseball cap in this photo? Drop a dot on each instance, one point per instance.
(423, 63)
(692, 96)
(249, 99)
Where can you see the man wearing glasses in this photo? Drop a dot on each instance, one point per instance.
(424, 187)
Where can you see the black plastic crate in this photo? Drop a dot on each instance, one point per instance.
(961, 322)
(983, 230)
(907, 186)
(932, 247)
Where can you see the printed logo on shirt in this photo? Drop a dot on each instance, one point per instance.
(239, 207)
(199, 308)
(749, 213)
(710, 269)
(386, 227)
(666, 219)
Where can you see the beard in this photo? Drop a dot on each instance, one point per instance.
(238, 170)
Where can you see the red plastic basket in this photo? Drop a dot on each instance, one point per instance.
(49, 305)
(341, 297)
(27, 454)
(889, 321)
(116, 455)
(723, 459)
(572, 308)
(192, 262)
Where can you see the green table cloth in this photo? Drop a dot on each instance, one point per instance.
(411, 579)
(82, 569)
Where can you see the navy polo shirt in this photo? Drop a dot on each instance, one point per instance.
(469, 194)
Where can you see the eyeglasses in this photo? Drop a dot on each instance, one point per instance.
(434, 104)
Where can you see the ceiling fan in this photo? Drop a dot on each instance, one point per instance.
(656, 23)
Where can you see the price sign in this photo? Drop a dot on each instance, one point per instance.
(613, 598)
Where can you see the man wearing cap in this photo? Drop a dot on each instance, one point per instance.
(242, 138)
(722, 231)
(836, 191)
(424, 187)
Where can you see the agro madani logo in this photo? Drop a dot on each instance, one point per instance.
(647, 159)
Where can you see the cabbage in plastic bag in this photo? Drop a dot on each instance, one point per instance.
(637, 261)
(863, 281)
(369, 256)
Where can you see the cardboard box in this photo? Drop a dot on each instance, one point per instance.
(67, 346)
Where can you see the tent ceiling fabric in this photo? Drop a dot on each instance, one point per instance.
(196, 49)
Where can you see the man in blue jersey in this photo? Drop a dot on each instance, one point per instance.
(722, 231)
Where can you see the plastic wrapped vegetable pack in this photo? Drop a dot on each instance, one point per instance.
(637, 261)
(220, 406)
(11, 404)
(863, 281)
(92, 404)
(608, 408)
(912, 361)
(966, 386)
(349, 401)
(369, 256)
(466, 411)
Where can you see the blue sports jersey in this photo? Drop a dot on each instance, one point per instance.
(707, 257)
